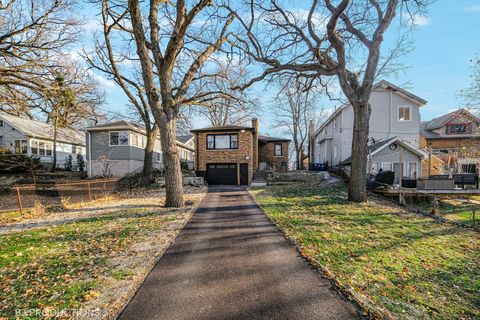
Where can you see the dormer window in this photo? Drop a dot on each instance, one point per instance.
(459, 128)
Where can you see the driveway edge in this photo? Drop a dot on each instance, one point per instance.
(119, 306)
(366, 306)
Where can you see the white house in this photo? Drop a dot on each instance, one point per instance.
(34, 138)
(395, 114)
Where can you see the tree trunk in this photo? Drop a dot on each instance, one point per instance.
(298, 152)
(173, 171)
(148, 160)
(357, 189)
(54, 151)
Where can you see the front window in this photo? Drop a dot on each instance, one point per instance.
(222, 141)
(41, 148)
(21, 147)
(405, 113)
(459, 128)
(278, 150)
(119, 138)
(74, 149)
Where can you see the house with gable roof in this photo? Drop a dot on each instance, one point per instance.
(22, 135)
(394, 123)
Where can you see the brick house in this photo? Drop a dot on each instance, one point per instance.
(453, 138)
(232, 154)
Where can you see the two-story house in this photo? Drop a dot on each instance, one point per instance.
(25, 136)
(118, 148)
(454, 138)
(231, 155)
(395, 115)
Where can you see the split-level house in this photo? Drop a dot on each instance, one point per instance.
(25, 136)
(454, 138)
(118, 148)
(395, 118)
(230, 155)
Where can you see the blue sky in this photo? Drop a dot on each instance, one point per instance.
(439, 66)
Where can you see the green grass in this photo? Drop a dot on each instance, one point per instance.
(61, 267)
(453, 210)
(411, 265)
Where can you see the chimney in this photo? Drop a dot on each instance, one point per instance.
(255, 125)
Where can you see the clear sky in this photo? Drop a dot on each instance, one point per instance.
(439, 66)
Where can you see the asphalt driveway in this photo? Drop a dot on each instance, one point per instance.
(230, 262)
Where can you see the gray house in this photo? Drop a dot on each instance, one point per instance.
(118, 148)
(395, 113)
(385, 155)
(34, 138)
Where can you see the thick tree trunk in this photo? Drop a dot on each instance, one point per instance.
(173, 171)
(357, 189)
(148, 160)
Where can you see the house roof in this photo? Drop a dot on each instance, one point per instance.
(120, 124)
(223, 128)
(381, 84)
(442, 120)
(130, 125)
(407, 94)
(272, 139)
(378, 146)
(40, 130)
(184, 138)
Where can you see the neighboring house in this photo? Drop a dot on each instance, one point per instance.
(34, 138)
(385, 155)
(231, 154)
(394, 113)
(454, 138)
(118, 148)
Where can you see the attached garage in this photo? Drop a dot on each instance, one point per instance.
(227, 173)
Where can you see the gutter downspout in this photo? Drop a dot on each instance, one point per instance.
(89, 158)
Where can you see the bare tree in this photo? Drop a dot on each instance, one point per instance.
(31, 32)
(471, 95)
(341, 40)
(227, 109)
(294, 106)
(71, 98)
(121, 65)
(171, 44)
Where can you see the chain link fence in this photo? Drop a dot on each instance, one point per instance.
(28, 196)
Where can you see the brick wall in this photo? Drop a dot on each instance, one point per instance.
(266, 154)
(245, 149)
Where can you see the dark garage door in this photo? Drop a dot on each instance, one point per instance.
(222, 173)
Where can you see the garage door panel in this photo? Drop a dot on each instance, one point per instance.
(222, 173)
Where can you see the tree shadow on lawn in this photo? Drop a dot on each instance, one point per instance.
(131, 212)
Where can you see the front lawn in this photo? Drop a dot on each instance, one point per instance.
(414, 267)
(84, 264)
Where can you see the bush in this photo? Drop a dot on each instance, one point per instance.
(18, 163)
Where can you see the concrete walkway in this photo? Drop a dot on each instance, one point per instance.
(230, 262)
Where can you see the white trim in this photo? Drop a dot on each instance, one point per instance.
(405, 144)
(409, 112)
